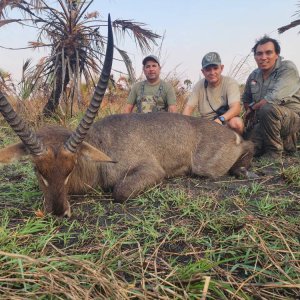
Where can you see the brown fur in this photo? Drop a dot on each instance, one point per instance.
(146, 148)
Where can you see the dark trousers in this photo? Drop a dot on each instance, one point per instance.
(276, 130)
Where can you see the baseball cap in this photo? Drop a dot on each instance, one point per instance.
(151, 57)
(211, 58)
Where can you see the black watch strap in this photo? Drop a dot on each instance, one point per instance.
(222, 119)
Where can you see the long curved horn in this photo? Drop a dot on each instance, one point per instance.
(78, 136)
(28, 137)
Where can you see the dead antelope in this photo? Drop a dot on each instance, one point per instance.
(146, 148)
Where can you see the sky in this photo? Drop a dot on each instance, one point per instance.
(191, 28)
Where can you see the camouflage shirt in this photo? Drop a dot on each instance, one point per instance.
(152, 98)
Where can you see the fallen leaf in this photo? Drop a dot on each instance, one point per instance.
(39, 213)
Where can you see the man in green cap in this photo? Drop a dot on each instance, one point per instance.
(152, 94)
(217, 97)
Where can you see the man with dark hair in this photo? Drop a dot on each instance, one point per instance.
(272, 101)
(152, 94)
(265, 40)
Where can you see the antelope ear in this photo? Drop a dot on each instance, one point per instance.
(94, 154)
(12, 153)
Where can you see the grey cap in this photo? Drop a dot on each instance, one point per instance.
(151, 57)
(211, 58)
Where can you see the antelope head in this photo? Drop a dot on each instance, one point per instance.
(55, 151)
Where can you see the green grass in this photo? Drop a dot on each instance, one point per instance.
(184, 239)
(292, 175)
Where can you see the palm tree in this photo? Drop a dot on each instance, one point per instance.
(292, 24)
(75, 41)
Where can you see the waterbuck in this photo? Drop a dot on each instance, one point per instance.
(123, 153)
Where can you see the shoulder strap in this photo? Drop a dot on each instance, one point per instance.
(159, 93)
(206, 95)
(143, 88)
(139, 97)
(160, 89)
(207, 99)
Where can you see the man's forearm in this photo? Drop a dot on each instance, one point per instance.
(188, 110)
(258, 105)
(233, 111)
(128, 108)
(172, 108)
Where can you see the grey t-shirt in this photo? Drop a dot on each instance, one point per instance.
(227, 92)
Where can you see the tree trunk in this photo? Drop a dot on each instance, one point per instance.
(59, 87)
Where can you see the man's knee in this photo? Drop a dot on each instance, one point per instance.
(267, 111)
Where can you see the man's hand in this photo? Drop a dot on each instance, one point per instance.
(247, 113)
(172, 108)
(218, 121)
(259, 104)
(250, 115)
(250, 119)
(128, 108)
(188, 110)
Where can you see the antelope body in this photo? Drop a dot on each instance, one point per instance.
(123, 153)
(146, 148)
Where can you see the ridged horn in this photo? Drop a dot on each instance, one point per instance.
(78, 136)
(20, 127)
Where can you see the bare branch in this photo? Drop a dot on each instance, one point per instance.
(5, 22)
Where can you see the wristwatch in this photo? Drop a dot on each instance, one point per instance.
(250, 105)
(222, 119)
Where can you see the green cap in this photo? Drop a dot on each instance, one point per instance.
(211, 58)
(151, 57)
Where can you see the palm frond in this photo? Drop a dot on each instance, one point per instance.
(82, 10)
(26, 65)
(5, 22)
(289, 26)
(75, 39)
(92, 15)
(141, 35)
(23, 6)
(128, 64)
(35, 44)
(4, 5)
